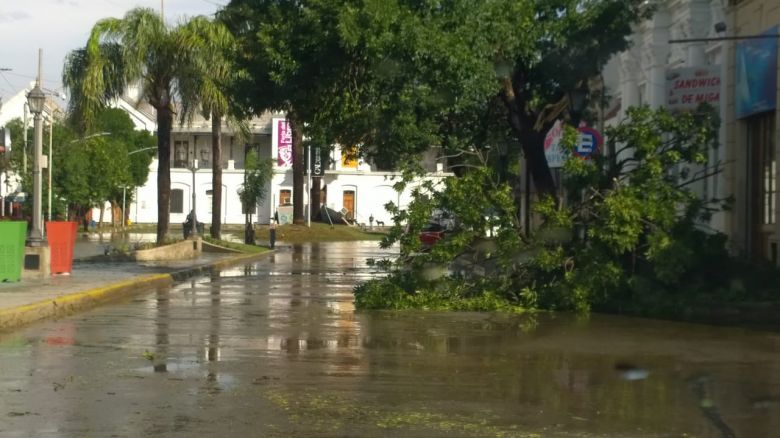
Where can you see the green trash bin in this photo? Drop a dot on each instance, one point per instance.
(12, 235)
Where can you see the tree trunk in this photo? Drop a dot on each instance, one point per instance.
(533, 149)
(298, 168)
(531, 139)
(164, 125)
(102, 211)
(316, 194)
(216, 176)
(115, 213)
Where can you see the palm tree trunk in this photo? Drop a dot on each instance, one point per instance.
(164, 126)
(216, 176)
(298, 167)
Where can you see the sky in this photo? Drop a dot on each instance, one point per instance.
(59, 26)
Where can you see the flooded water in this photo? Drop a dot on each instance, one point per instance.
(274, 348)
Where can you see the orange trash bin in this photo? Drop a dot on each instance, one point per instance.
(62, 240)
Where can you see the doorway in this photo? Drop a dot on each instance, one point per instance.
(349, 204)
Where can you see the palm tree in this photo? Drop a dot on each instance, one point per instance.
(211, 46)
(136, 49)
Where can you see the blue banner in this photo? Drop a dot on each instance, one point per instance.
(757, 74)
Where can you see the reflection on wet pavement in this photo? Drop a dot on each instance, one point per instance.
(274, 348)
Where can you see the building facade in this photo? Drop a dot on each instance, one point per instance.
(751, 120)
(723, 52)
(350, 186)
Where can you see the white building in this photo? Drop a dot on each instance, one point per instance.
(660, 72)
(350, 185)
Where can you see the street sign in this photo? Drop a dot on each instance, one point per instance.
(552, 146)
(589, 142)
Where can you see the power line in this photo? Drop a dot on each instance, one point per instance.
(19, 75)
(6, 80)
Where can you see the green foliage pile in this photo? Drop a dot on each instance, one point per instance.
(631, 237)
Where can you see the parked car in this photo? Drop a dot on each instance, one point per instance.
(432, 233)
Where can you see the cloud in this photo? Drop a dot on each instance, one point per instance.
(8, 17)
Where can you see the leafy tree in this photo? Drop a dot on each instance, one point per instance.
(81, 175)
(257, 176)
(138, 146)
(396, 77)
(212, 48)
(464, 74)
(137, 49)
(292, 55)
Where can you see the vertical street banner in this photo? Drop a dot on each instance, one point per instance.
(315, 167)
(757, 74)
(282, 137)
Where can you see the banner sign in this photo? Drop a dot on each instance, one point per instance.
(688, 87)
(552, 146)
(284, 150)
(315, 167)
(757, 74)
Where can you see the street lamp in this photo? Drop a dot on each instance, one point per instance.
(578, 100)
(36, 99)
(194, 230)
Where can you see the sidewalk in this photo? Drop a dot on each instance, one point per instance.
(93, 283)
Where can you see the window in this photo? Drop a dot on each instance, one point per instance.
(205, 158)
(285, 197)
(762, 183)
(763, 167)
(177, 201)
(349, 157)
(180, 151)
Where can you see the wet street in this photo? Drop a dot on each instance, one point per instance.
(274, 348)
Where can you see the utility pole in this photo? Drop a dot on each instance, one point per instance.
(162, 11)
(37, 100)
(24, 140)
(49, 161)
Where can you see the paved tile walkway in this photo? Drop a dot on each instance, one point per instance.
(89, 275)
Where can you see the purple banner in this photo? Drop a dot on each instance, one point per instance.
(284, 144)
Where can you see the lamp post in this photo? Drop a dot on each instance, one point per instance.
(578, 99)
(36, 99)
(194, 231)
(48, 164)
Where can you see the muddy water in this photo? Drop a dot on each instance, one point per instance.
(274, 348)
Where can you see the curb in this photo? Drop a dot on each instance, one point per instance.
(75, 302)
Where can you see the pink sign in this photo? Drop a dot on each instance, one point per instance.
(284, 144)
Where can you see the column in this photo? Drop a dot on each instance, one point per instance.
(657, 58)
